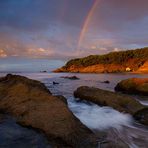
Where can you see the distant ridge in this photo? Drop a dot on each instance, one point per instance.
(113, 62)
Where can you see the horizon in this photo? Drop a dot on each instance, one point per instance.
(35, 35)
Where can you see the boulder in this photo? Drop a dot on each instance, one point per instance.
(44, 71)
(133, 86)
(33, 105)
(101, 97)
(142, 116)
(106, 81)
(70, 77)
(54, 83)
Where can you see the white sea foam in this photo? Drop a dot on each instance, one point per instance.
(144, 102)
(101, 118)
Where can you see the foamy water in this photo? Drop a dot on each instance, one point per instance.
(100, 118)
(144, 102)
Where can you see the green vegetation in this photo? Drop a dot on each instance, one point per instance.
(111, 58)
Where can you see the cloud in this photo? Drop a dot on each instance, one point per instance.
(118, 24)
(30, 15)
(51, 28)
(39, 52)
(117, 49)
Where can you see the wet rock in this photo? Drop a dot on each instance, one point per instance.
(110, 139)
(107, 82)
(33, 105)
(70, 77)
(101, 97)
(142, 116)
(111, 144)
(44, 71)
(62, 99)
(133, 86)
(54, 83)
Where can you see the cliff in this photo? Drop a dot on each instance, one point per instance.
(123, 61)
(143, 68)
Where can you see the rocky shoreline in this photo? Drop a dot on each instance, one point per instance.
(33, 105)
(117, 101)
(103, 68)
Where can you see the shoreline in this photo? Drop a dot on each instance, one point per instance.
(114, 133)
(102, 72)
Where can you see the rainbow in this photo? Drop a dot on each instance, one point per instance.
(86, 23)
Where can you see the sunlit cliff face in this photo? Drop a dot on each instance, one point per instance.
(2, 53)
(54, 29)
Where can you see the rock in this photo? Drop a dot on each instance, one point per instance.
(33, 105)
(101, 97)
(107, 82)
(133, 86)
(142, 116)
(71, 77)
(111, 139)
(44, 71)
(54, 83)
(62, 99)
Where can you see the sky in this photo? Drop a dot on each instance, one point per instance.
(39, 31)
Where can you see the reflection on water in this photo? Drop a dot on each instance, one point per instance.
(15, 136)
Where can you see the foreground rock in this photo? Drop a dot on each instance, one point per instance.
(34, 106)
(133, 86)
(142, 116)
(106, 98)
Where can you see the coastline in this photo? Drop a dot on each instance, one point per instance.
(134, 61)
(133, 72)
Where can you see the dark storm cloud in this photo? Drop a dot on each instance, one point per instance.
(31, 15)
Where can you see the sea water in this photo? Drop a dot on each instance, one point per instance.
(92, 115)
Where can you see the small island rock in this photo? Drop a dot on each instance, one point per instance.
(133, 86)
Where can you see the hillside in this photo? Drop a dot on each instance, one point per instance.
(122, 61)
